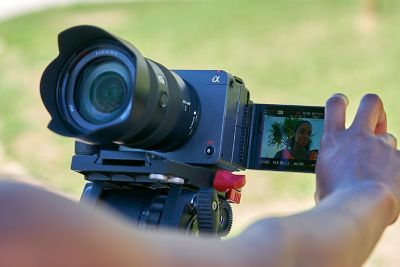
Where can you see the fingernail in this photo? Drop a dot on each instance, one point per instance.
(342, 96)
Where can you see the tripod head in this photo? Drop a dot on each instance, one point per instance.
(153, 191)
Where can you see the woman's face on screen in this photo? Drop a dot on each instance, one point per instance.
(303, 134)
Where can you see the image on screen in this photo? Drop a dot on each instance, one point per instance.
(291, 138)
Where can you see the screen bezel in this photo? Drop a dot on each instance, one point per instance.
(255, 159)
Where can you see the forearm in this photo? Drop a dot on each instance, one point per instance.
(341, 231)
(38, 228)
(52, 230)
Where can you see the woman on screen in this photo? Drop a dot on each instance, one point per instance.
(299, 145)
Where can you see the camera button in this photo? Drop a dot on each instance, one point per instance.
(163, 99)
(209, 151)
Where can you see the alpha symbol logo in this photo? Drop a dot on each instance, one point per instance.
(215, 79)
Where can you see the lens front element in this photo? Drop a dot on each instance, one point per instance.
(102, 91)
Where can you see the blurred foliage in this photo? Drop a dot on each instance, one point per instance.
(289, 52)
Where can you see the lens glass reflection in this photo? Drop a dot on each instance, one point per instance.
(102, 90)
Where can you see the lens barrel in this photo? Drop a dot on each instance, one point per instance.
(101, 90)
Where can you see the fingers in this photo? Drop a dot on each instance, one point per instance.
(371, 116)
(388, 139)
(335, 113)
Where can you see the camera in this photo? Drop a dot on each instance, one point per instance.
(160, 145)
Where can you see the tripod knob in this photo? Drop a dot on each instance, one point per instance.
(207, 211)
(225, 218)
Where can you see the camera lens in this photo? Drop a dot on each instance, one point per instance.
(102, 90)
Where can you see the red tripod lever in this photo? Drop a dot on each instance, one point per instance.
(231, 184)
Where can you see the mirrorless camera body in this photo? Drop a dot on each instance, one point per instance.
(222, 135)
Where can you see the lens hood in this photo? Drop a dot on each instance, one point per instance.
(154, 117)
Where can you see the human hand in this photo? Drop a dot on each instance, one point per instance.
(362, 154)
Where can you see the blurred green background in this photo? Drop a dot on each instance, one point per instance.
(287, 52)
